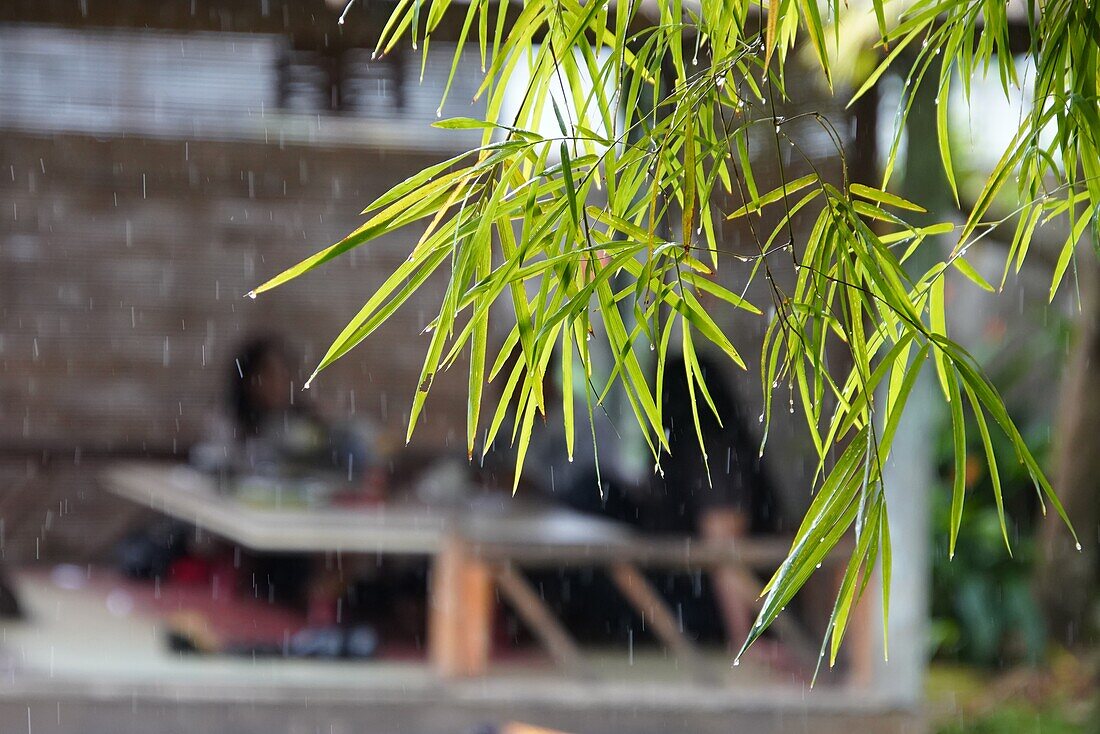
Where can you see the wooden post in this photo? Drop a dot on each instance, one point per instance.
(460, 611)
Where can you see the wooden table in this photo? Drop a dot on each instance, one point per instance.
(461, 602)
(404, 527)
(474, 550)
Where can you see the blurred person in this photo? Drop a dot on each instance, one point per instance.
(274, 446)
(270, 430)
(270, 446)
(723, 497)
(266, 447)
(731, 500)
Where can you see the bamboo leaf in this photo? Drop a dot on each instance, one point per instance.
(465, 123)
(773, 196)
(884, 197)
(958, 436)
(973, 275)
(769, 39)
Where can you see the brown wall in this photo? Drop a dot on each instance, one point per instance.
(122, 268)
(123, 265)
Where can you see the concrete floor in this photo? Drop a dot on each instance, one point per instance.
(142, 716)
(81, 665)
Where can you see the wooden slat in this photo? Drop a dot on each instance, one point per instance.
(754, 553)
(539, 618)
(646, 600)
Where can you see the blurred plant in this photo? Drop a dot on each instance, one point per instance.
(1057, 698)
(1016, 720)
(667, 101)
(984, 610)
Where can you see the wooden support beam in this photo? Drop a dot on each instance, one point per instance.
(534, 612)
(641, 594)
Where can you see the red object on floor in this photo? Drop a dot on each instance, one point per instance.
(189, 570)
(233, 615)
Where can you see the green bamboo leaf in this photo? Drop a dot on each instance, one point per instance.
(523, 441)
(567, 174)
(690, 367)
(899, 396)
(567, 390)
(652, 140)
(943, 133)
(703, 283)
(1066, 254)
(973, 275)
(693, 311)
(477, 363)
(774, 195)
(690, 185)
(465, 123)
(887, 579)
(880, 18)
(381, 306)
(884, 197)
(937, 311)
(882, 67)
(812, 17)
(991, 462)
(958, 435)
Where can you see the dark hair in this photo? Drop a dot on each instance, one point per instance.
(732, 433)
(678, 415)
(244, 368)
